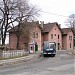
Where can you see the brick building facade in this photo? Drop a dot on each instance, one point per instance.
(45, 32)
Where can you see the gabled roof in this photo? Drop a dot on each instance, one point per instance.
(49, 26)
(73, 29)
(66, 30)
(25, 24)
(46, 27)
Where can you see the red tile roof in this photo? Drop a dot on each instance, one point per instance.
(66, 30)
(25, 24)
(49, 26)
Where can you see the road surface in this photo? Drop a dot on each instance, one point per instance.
(62, 64)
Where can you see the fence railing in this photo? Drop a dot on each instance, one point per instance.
(13, 53)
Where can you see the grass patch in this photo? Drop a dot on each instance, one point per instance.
(13, 57)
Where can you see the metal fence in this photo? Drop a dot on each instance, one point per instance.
(13, 53)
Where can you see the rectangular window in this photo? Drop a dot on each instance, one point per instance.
(58, 36)
(33, 34)
(70, 45)
(51, 36)
(70, 37)
(36, 35)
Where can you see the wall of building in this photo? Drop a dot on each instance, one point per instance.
(12, 40)
(70, 41)
(37, 40)
(56, 31)
(64, 42)
(45, 37)
(42, 39)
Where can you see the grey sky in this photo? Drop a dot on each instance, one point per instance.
(52, 7)
(55, 10)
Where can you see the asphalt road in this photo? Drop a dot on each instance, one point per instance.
(62, 64)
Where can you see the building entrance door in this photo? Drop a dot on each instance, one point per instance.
(58, 46)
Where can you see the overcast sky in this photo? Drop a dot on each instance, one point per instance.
(52, 7)
(55, 10)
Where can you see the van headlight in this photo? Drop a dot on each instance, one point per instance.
(47, 49)
(51, 49)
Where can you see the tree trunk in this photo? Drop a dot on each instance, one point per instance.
(1, 53)
(18, 36)
(3, 39)
(3, 42)
(17, 46)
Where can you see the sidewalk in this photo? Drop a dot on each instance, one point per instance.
(71, 52)
(29, 57)
(25, 58)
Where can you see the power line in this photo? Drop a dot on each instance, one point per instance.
(54, 14)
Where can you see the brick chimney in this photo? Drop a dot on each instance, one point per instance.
(59, 25)
(42, 23)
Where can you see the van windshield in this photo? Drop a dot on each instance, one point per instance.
(48, 45)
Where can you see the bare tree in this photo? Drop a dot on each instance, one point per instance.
(26, 30)
(6, 8)
(15, 11)
(26, 12)
(71, 21)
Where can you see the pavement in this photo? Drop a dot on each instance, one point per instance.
(29, 57)
(70, 52)
(25, 58)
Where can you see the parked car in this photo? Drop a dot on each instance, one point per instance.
(49, 48)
